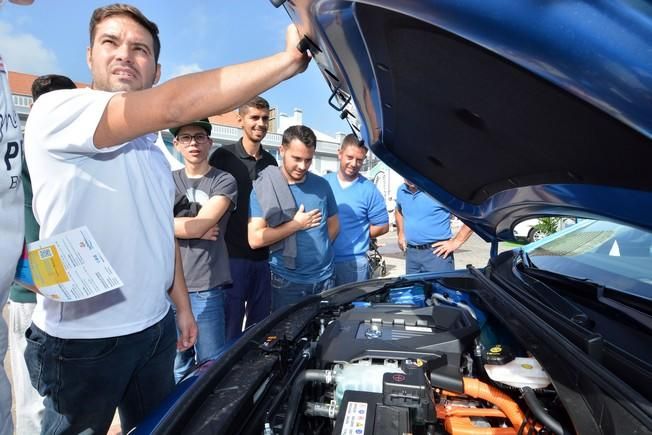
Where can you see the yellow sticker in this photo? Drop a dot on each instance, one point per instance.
(419, 362)
(527, 366)
(47, 267)
(496, 349)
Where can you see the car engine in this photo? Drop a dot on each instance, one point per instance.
(414, 359)
(384, 357)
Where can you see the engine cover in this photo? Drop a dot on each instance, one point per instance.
(392, 331)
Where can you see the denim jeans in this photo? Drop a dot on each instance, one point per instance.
(286, 292)
(208, 309)
(250, 293)
(423, 260)
(84, 380)
(355, 270)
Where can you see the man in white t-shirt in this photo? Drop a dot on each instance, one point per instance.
(11, 221)
(93, 161)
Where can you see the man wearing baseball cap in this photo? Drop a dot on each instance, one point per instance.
(205, 198)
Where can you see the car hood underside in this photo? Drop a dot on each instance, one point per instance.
(500, 111)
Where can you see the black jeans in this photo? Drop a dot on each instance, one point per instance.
(251, 285)
(85, 380)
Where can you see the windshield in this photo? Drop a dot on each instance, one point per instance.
(616, 256)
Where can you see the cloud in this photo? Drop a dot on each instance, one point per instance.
(179, 70)
(25, 53)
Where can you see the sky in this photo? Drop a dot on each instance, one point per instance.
(51, 36)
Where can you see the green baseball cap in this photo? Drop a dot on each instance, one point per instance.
(203, 123)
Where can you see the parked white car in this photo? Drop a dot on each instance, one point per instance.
(527, 230)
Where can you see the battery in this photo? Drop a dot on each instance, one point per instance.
(363, 413)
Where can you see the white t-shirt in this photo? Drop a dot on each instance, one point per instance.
(11, 188)
(175, 164)
(123, 194)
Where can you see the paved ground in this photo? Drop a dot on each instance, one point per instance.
(475, 251)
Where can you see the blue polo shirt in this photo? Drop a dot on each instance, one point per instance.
(314, 262)
(425, 220)
(360, 205)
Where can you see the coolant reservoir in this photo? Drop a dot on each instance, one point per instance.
(361, 377)
(519, 373)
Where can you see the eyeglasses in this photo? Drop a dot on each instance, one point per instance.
(185, 139)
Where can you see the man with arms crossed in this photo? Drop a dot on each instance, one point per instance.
(361, 210)
(313, 225)
(249, 267)
(93, 162)
(203, 255)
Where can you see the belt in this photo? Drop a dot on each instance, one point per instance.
(219, 287)
(424, 246)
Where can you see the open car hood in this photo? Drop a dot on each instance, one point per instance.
(501, 110)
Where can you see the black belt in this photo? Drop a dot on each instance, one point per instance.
(424, 246)
(219, 287)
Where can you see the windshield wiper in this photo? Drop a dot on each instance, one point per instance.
(632, 313)
(624, 308)
(548, 295)
(525, 259)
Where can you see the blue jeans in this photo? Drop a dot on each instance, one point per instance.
(251, 293)
(423, 260)
(84, 380)
(286, 292)
(208, 309)
(355, 270)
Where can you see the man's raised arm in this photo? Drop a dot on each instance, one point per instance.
(195, 96)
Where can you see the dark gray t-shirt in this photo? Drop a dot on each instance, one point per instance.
(206, 262)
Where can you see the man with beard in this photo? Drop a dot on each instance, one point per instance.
(94, 163)
(245, 159)
(294, 211)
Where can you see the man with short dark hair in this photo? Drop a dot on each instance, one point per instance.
(29, 404)
(245, 159)
(212, 192)
(94, 163)
(294, 212)
(50, 82)
(362, 212)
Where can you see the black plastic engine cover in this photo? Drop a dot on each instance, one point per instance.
(392, 331)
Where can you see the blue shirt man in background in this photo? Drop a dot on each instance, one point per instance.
(424, 231)
(310, 225)
(361, 209)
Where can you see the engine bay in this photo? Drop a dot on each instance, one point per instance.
(414, 358)
(466, 352)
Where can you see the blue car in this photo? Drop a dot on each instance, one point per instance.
(503, 111)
